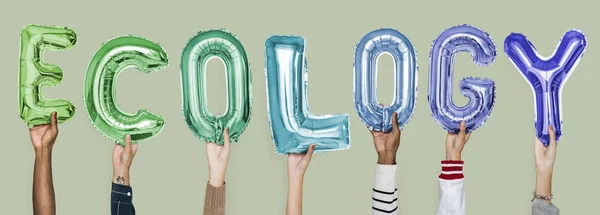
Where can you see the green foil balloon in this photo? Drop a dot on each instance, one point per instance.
(34, 74)
(196, 54)
(99, 98)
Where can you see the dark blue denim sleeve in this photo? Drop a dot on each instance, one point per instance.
(121, 200)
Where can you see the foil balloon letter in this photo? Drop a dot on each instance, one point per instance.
(368, 50)
(199, 50)
(294, 128)
(546, 76)
(34, 74)
(480, 91)
(99, 95)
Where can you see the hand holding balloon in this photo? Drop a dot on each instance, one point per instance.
(544, 163)
(387, 143)
(218, 158)
(455, 143)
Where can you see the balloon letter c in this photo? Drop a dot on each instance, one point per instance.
(109, 61)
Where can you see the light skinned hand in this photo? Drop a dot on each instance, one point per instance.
(122, 159)
(456, 142)
(298, 163)
(44, 136)
(218, 157)
(544, 163)
(387, 143)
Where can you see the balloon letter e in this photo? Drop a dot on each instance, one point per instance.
(34, 74)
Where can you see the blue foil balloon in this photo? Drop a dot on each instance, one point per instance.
(546, 76)
(368, 50)
(480, 91)
(294, 128)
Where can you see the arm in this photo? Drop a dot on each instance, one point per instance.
(43, 138)
(121, 193)
(385, 192)
(544, 166)
(218, 157)
(451, 180)
(297, 165)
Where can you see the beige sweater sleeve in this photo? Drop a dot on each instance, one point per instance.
(214, 200)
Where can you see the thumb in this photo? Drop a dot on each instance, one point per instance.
(461, 133)
(309, 153)
(552, 134)
(395, 127)
(226, 138)
(128, 143)
(53, 122)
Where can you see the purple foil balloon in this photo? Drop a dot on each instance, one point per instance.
(546, 76)
(480, 91)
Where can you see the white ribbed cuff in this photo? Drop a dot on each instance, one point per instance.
(385, 177)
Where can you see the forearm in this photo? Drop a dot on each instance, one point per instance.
(294, 200)
(543, 183)
(121, 176)
(451, 188)
(43, 188)
(121, 200)
(385, 192)
(214, 200)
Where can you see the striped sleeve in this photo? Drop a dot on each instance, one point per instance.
(385, 192)
(451, 189)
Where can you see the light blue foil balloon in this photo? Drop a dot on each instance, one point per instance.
(368, 50)
(480, 91)
(546, 76)
(294, 128)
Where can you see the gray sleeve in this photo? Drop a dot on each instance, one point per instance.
(541, 207)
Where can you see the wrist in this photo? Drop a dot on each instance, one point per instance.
(453, 156)
(121, 176)
(43, 149)
(216, 180)
(386, 158)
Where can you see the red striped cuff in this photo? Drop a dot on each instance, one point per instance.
(452, 170)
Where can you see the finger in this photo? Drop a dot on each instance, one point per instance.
(128, 143)
(53, 122)
(381, 104)
(463, 129)
(227, 139)
(309, 153)
(134, 148)
(395, 125)
(468, 136)
(552, 135)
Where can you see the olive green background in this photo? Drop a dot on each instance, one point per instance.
(170, 171)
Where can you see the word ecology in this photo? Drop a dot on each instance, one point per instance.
(293, 126)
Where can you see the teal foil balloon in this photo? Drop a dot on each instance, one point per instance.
(293, 126)
(99, 98)
(199, 50)
(34, 74)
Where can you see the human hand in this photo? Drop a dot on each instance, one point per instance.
(298, 163)
(122, 159)
(44, 136)
(544, 163)
(387, 143)
(218, 157)
(456, 142)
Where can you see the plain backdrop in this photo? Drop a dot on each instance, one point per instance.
(169, 172)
